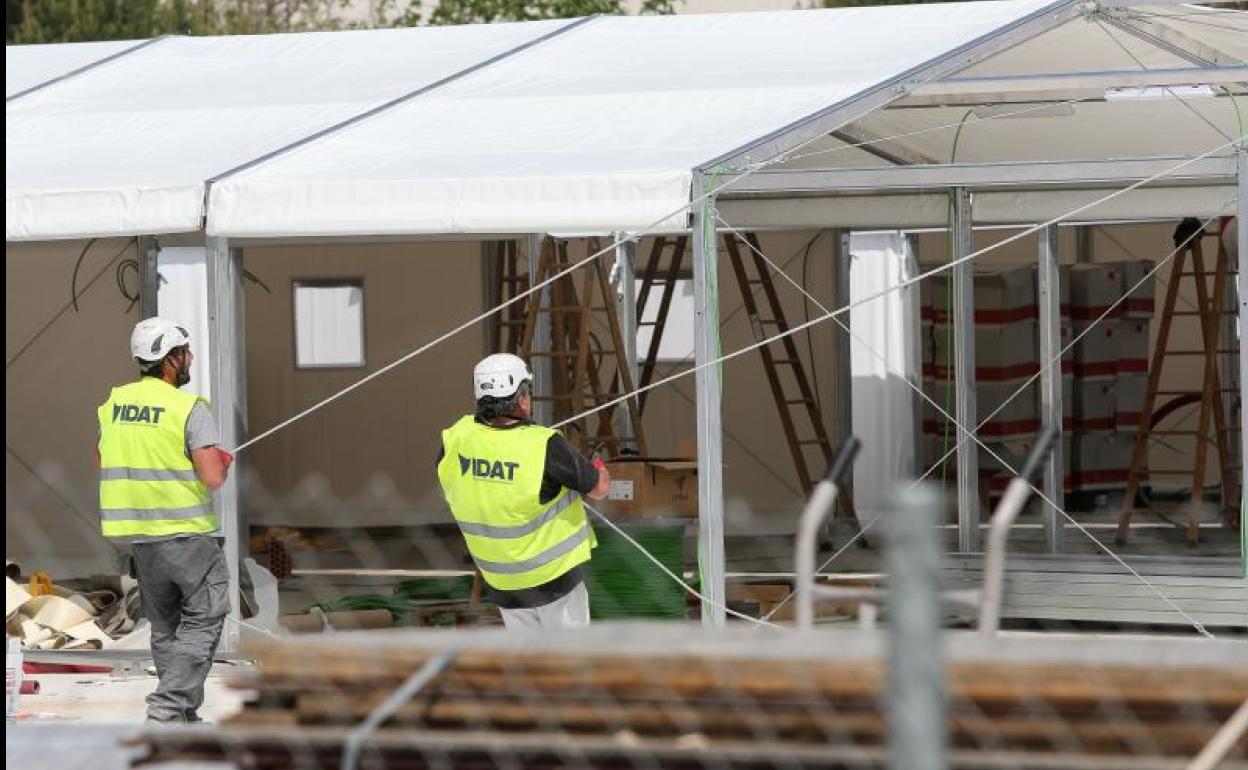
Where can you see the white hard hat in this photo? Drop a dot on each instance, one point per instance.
(153, 338)
(499, 376)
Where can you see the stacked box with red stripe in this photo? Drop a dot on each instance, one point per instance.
(1111, 307)
(1006, 353)
(1133, 359)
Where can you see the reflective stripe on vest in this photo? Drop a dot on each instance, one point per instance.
(156, 514)
(492, 480)
(146, 474)
(541, 560)
(148, 485)
(520, 530)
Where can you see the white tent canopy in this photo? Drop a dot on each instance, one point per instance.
(126, 148)
(597, 131)
(30, 66)
(598, 125)
(596, 128)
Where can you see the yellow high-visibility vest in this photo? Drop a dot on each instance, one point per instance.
(492, 480)
(148, 486)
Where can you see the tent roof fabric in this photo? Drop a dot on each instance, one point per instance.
(597, 131)
(573, 127)
(28, 66)
(126, 149)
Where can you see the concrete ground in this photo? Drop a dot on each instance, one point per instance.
(101, 698)
(88, 721)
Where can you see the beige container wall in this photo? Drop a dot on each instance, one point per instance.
(1115, 243)
(761, 490)
(51, 392)
(367, 459)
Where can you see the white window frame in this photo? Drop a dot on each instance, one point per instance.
(326, 283)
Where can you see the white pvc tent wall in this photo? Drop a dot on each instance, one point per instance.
(595, 129)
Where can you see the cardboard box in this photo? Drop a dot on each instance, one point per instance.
(1133, 346)
(1016, 452)
(1094, 288)
(652, 488)
(1130, 391)
(1095, 403)
(1140, 303)
(1068, 402)
(1002, 296)
(1067, 334)
(1096, 352)
(1019, 417)
(1002, 351)
(1102, 460)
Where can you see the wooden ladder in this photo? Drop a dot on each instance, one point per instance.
(800, 415)
(510, 280)
(1210, 312)
(581, 361)
(649, 278)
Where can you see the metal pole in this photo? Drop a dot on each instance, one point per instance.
(914, 306)
(491, 295)
(543, 409)
(1050, 301)
(626, 309)
(229, 394)
(710, 411)
(965, 410)
(1241, 279)
(149, 292)
(1083, 244)
(916, 698)
(844, 427)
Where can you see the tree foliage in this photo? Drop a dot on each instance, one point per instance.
(65, 21)
(477, 11)
(853, 3)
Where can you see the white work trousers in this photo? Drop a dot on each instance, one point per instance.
(569, 611)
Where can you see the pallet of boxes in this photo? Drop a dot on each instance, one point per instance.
(1007, 357)
(1104, 374)
(1110, 371)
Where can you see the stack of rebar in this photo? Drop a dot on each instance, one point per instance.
(762, 699)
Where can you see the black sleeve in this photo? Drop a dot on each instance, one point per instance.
(441, 454)
(566, 467)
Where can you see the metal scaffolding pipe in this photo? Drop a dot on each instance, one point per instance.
(709, 406)
(1049, 297)
(965, 405)
(227, 339)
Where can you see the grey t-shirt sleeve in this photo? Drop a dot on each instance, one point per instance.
(201, 429)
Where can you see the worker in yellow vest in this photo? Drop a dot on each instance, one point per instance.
(159, 460)
(515, 491)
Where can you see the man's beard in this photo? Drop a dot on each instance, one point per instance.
(183, 374)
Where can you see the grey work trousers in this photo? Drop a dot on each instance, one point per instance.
(568, 611)
(184, 585)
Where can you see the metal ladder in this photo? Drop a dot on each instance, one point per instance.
(1210, 310)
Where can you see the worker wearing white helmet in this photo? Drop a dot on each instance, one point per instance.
(515, 491)
(159, 460)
